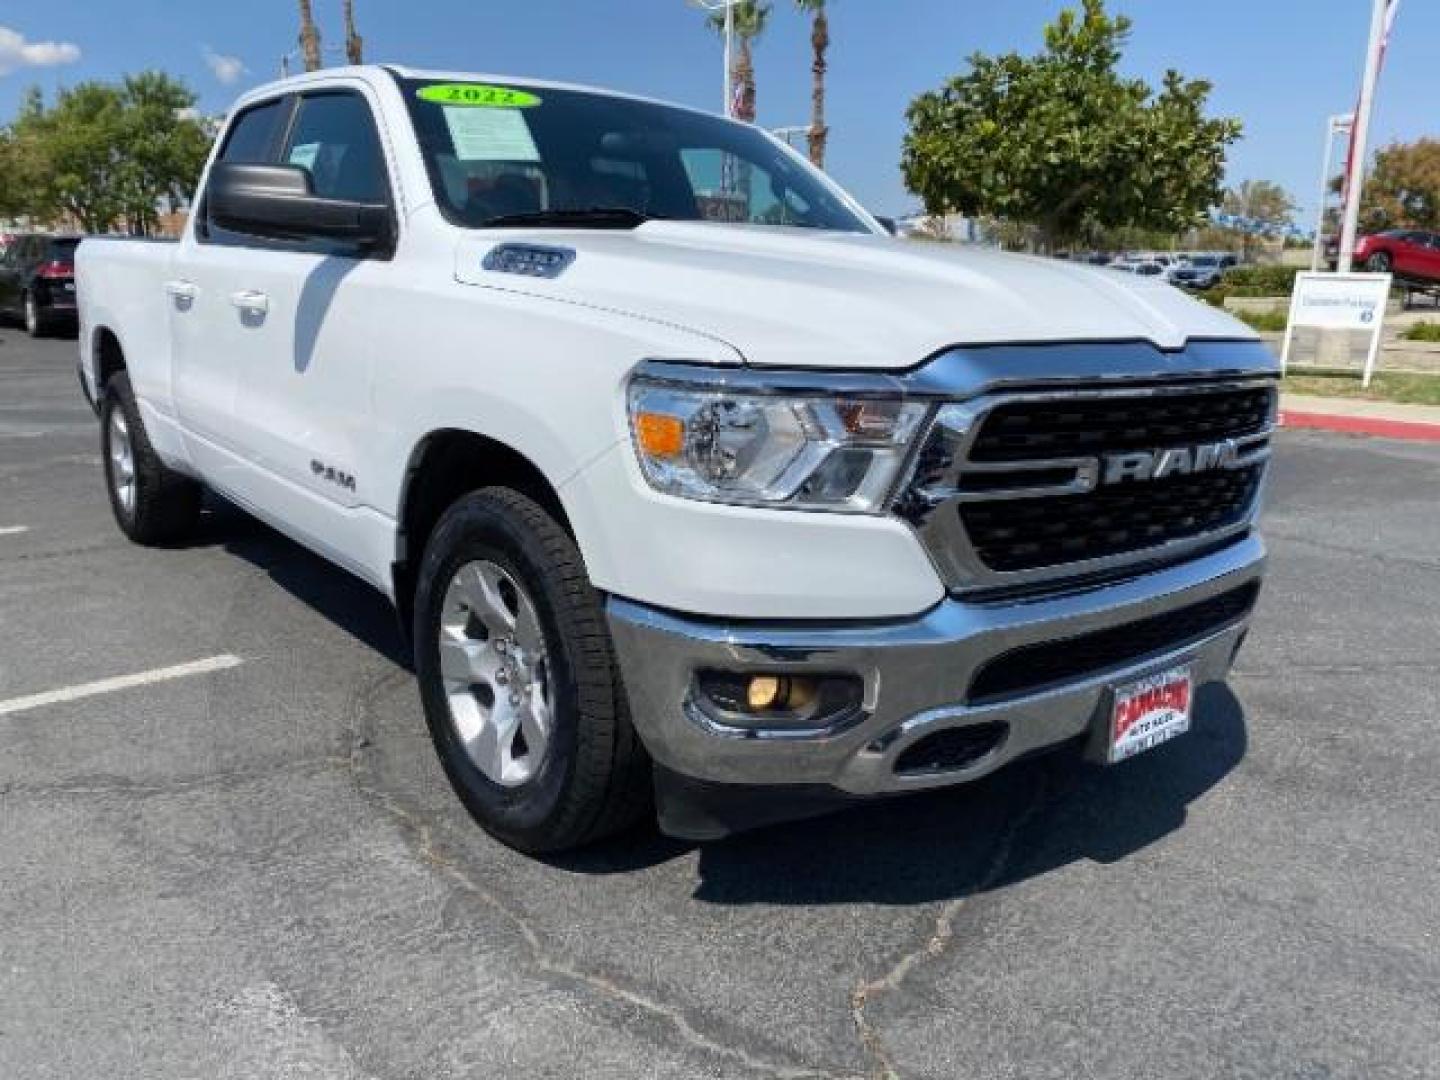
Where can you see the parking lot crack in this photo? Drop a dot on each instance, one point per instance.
(427, 848)
(942, 932)
(120, 785)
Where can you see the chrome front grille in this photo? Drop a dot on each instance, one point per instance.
(1033, 487)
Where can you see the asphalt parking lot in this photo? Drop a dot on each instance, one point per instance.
(254, 868)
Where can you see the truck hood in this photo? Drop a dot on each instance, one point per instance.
(788, 298)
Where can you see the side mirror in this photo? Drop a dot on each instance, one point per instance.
(278, 202)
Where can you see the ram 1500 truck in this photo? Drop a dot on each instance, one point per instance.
(694, 489)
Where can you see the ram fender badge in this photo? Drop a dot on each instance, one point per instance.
(529, 260)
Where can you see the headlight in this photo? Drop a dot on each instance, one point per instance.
(803, 452)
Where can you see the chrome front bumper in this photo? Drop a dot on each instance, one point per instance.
(916, 675)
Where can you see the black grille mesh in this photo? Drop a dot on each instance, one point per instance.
(1034, 430)
(1035, 667)
(1027, 534)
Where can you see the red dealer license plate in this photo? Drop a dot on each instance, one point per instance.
(1150, 711)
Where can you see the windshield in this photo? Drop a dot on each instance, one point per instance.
(62, 250)
(499, 155)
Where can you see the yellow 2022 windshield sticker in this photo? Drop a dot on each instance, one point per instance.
(477, 96)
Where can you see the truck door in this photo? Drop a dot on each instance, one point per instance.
(303, 404)
(214, 340)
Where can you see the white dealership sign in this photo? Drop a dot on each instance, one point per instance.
(1340, 302)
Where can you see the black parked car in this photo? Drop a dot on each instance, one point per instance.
(37, 282)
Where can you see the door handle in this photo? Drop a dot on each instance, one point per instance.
(181, 290)
(251, 300)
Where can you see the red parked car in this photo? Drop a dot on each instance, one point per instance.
(1409, 254)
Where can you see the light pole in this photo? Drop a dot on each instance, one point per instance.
(728, 6)
(788, 135)
(287, 57)
(1337, 125)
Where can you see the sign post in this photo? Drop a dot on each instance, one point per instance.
(1337, 125)
(1339, 302)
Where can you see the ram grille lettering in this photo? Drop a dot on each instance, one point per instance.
(1143, 465)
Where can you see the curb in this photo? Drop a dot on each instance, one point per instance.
(1361, 425)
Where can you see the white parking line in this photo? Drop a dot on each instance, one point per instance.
(122, 682)
(13, 530)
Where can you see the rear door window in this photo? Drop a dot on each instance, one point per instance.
(252, 137)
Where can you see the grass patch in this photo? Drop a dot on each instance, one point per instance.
(1393, 386)
(1423, 331)
(1264, 321)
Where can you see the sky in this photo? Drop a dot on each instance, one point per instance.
(1281, 66)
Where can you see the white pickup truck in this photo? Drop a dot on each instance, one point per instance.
(694, 489)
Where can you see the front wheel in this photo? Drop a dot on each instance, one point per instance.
(518, 678)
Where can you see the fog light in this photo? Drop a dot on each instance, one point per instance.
(765, 692)
(795, 702)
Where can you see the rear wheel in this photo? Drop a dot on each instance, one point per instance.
(152, 504)
(518, 678)
(1380, 263)
(35, 323)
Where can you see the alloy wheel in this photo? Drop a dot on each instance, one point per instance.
(122, 462)
(496, 673)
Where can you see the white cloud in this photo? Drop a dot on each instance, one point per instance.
(17, 53)
(226, 69)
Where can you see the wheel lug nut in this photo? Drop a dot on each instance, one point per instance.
(514, 699)
(502, 678)
(500, 646)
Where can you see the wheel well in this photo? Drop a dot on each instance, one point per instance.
(109, 357)
(445, 466)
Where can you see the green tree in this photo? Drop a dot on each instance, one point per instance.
(820, 65)
(1404, 190)
(1263, 202)
(1266, 209)
(109, 155)
(1062, 142)
(751, 18)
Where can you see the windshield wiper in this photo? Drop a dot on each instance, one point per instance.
(593, 217)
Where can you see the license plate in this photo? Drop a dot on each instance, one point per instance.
(1150, 711)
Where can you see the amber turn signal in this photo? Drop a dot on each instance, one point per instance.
(660, 436)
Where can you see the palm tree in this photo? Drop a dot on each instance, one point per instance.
(309, 37)
(820, 44)
(750, 19)
(354, 43)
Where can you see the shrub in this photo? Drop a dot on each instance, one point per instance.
(1260, 281)
(1423, 331)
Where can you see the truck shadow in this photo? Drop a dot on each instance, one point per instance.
(1034, 817)
(342, 598)
(1037, 816)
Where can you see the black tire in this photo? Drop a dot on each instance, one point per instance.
(1380, 263)
(165, 506)
(37, 325)
(594, 779)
